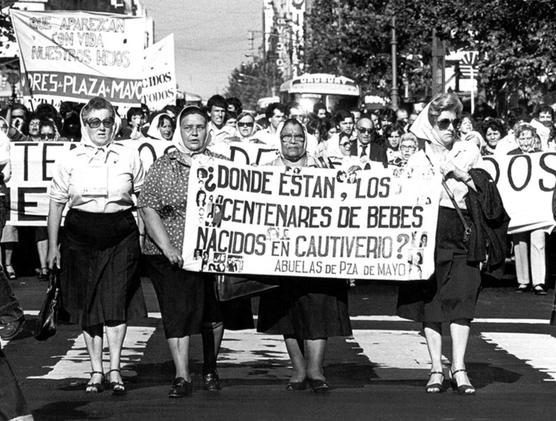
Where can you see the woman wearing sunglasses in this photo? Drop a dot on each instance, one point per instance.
(100, 249)
(450, 295)
(247, 128)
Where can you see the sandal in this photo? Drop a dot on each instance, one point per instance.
(465, 389)
(10, 272)
(95, 387)
(437, 386)
(118, 388)
(42, 274)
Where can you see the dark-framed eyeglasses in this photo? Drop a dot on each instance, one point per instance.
(296, 138)
(240, 124)
(94, 123)
(345, 144)
(47, 136)
(364, 130)
(444, 124)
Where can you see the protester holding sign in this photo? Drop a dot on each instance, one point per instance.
(450, 294)
(529, 242)
(307, 311)
(100, 285)
(187, 299)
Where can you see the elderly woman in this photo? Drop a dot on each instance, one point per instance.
(494, 131)
(408, 146)
(307, 311)
(529, 243)
(450, 294)
(100, 252)
(162, 127)
(187, 299)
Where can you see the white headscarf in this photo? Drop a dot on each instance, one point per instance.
(177, 140)
(154, 131)
(86, 138)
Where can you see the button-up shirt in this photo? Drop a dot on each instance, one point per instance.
(97, 179)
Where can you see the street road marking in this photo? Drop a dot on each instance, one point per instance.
(403, 349)
(385, 318)
(75, 363)
(252, 355)
(535, 349)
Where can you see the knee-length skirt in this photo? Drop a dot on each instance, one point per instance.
(99, 278)
(452, 291)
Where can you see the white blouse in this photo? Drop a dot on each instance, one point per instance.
(97, 179)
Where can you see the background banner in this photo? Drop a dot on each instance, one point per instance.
(526, 184)
(76, 56)
(159, 74)
(310, 222)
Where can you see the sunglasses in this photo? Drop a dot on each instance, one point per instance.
(345, 144)
(94, 123)
(245, 124)
(47, 136)
(444, 124)
(289, 138)
(363, 130)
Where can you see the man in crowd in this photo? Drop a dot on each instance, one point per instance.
(366, 146)
(218, 131)
(276, 115)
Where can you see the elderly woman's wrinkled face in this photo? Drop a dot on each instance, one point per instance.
(193, 128)
(445, 127)
(526, 140)
(407, 148)
(293, 142)
(246, 126)
(100, 125)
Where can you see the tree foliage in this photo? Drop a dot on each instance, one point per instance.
(253, 80)
(516, 40)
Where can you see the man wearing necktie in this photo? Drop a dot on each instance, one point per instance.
(365, 146)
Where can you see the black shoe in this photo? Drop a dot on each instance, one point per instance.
(318, 386)
(9, 329)
(180, 388)
(97, 387)
(539, 290)
(118, 388)
(465, 389)
(292, 386)
(437, 387)
(522, 288)
(212, 382)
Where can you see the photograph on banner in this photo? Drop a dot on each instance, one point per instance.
(523, 180)
(75, 56)
(159, 74)
(32, 166)
(327, 223)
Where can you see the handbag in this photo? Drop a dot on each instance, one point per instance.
(231, 287)
(48, 317)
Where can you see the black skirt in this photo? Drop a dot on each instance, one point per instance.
(452, 291)
(99, 277)
(305, 308)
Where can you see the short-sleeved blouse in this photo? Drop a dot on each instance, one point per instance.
(165, 191)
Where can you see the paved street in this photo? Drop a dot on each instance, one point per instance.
(379, 373)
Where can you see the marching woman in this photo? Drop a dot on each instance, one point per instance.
(450, 295)
(187, 299)
(306, 311)
(100, 251)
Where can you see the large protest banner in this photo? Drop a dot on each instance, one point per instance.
(159, 74)
(310, 222)
(76, 56)
(526, 184)
(32, 164)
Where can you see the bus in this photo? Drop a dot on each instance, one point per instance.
(335, 92)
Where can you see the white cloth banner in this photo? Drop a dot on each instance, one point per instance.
(75, 56)
(159, 74)
(309, 222)
(526, 184)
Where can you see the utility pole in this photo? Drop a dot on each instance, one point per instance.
(394, 43)
(438, 75)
